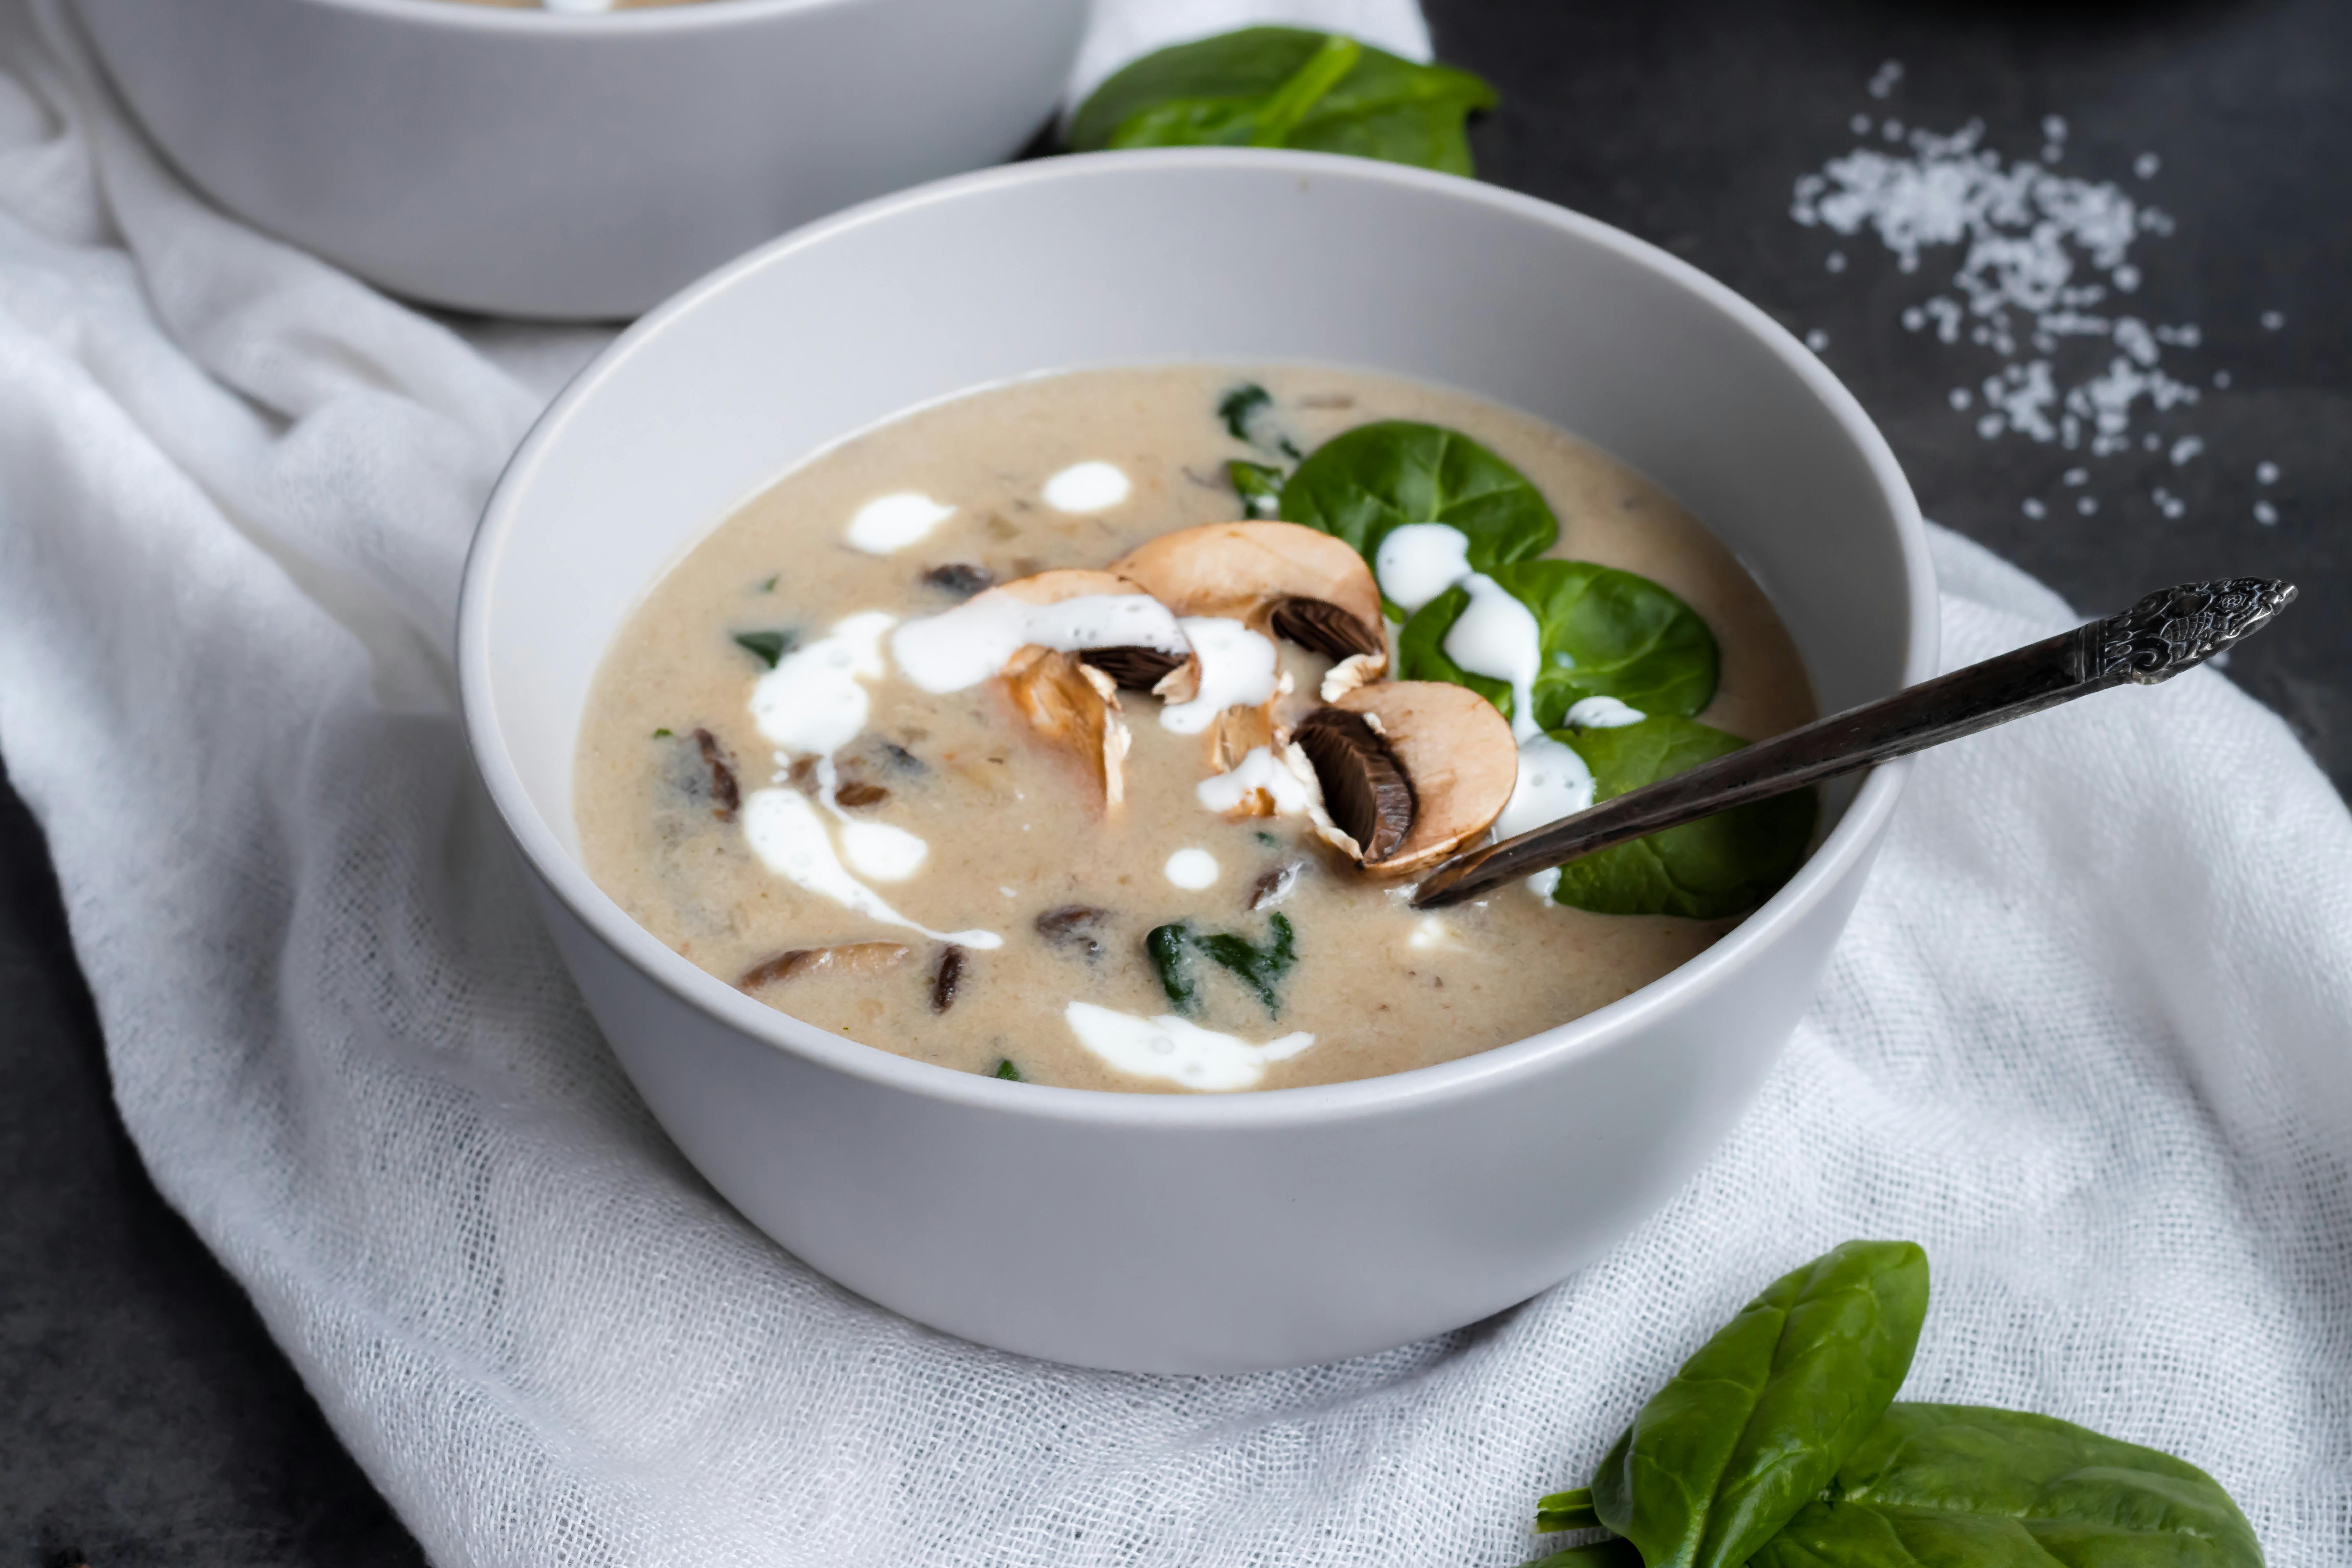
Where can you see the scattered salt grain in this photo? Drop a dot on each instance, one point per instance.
(2222, 380)
(2034, 508)
(2087, 505)
(2273, 320)
(2266, 473)
(2186, 450)
(2077, 476)
(2265, 514)
(2042, 262)
(1817, 339)
(2168, 503)
(1883, 80)
(1836, 261)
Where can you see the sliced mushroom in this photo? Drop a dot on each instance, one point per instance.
(947, 978)
(1449, 748)
(1133, 669)
(1368, 801)
(1078, 705)
(1297, 583)
(726, 795)
(1070, 695)
(856, 959)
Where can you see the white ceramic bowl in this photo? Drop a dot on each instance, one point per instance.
(536, 163)
(1158, 1232)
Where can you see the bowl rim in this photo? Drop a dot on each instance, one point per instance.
(517, 19)
(1846, 847)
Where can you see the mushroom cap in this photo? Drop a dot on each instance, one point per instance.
(1134, 669)
(1459, 754)
(1304, 583)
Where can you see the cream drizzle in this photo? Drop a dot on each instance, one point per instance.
(892, 522)
(1260, 770)
(812, 701)
(1497, 637)
(1190, 869)
(1177, 1050)
(963, 647)
(789, 836)
(1603, 713)
(1239, 669)
(1420, 561)
(1087, 488)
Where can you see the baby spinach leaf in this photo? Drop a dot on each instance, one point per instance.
(1259, 485)
(1721, 865)
(1605, 633)
(1957, 1483)
(1287, 87)
(1247, 411)
(1610, 1551)
(1258, 967)
(1567, 1510)
(1758, 1422)
(1365, 481)
(1170, 948)
(766, 646)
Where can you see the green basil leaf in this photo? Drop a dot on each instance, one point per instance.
(1606, 633)
(1007, 1071)
(1287, 87)
(1364, 482)
(1721, 865)
(1942, 1481)
(1758, 1422)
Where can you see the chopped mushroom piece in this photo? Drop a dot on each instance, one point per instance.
(857, 958)
(726, 795)
(1449, 747)
(1296, 582)
(947, 977)
(1074, 697)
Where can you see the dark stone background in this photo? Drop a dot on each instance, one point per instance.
(146, 1418)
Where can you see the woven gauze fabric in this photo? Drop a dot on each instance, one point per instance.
(2089, 1038)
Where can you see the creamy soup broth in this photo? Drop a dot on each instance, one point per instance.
(1015, 827)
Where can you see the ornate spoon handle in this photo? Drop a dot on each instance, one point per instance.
(2156, 639)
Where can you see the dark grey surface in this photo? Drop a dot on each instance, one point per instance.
(144, 1415)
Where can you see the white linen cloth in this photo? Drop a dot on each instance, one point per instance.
(2089, 1038)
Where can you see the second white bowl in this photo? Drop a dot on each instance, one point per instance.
(533, 164)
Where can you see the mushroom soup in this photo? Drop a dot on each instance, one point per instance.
(1089, 730)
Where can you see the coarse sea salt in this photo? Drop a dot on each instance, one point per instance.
(2043, 282)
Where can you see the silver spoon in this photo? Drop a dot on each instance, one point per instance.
(2155, 640)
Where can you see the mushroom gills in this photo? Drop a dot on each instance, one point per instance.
(1135, 668)
(1365, 790)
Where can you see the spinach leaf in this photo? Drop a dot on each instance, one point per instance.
(767, 646)
(1938, 1483)
(1718, 866)
(1171, 951)
(1605, 633)
(1247, 411)
(1007, 1071)
(1259, 485)
(1258, 967)
(1287, 87)
(1610, 1551)
(1567, 1510)
(1758, 1422)
(1364, 482)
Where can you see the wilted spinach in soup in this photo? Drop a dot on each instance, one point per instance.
(1088, 731)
